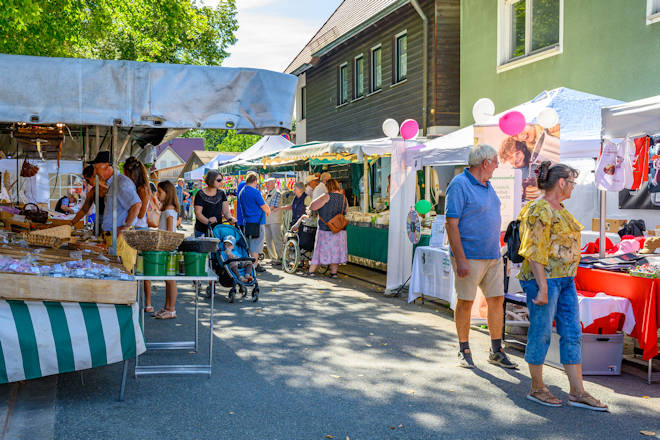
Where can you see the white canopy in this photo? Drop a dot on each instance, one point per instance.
(372, 147)
(266, 146)
(633, 118)
(99, 92)
(198, 173)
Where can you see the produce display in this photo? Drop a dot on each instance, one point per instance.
(646, 271)
(69, 269)
(355, 215)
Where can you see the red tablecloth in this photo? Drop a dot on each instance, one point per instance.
(644, 295)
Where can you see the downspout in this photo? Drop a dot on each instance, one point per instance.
(425, 69)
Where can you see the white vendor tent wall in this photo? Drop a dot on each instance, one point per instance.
(198, 173)
(266, 146)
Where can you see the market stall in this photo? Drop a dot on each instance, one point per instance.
(91, 106)
(349, 162)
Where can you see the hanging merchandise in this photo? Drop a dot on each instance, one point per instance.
(628, 170)
(639, 156)
(413, 227)
(28, 170)
(610, 170)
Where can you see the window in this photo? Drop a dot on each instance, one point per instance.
(528, 28)
(652, 11)
(376, 71)
(64, 184)
(344, 84)
(303, 102)
(358, 75)
(401, 57)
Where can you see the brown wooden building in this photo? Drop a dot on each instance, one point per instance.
(367, 64)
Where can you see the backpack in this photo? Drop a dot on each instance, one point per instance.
(635, 228)
(512, 240)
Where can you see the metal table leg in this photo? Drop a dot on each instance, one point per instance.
(211, 329)
(123, 381)
(196, 315)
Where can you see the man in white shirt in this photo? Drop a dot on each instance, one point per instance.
(321, 188)
(273, 221)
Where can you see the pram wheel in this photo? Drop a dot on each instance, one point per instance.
(255, 294)
(243, 291)
(323, 269)
(291, 256)
(231, 295)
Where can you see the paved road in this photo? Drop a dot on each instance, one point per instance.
(317, 358)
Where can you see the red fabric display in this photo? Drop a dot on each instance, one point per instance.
(640, 161)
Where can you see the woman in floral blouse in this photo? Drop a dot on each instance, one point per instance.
(550, 243)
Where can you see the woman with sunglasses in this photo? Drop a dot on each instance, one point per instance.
(211, 204)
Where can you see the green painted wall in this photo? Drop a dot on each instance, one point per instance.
(608, 50)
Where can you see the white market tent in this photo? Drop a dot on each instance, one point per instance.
(198, 173)
(266, 146)
(338, 149)
(127, 95)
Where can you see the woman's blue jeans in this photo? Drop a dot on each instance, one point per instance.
(562, 307)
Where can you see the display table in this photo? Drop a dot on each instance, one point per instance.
(432, 274)
(177, 345)
(643, 294)
(40, 338)
(367, 244)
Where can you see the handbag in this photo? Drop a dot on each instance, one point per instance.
(34, 215)
(251, 230)
(338, 222)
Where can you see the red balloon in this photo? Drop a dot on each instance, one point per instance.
(512, 123)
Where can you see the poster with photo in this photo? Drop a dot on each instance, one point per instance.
(523, 153)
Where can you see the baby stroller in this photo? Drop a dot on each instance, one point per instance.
(221, 263)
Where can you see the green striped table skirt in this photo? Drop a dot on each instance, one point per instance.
(40, 338)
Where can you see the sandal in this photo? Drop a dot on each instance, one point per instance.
(154, 314)
(166, 314)
(543, 396)
(586, 401)
(149, 309)
(333, 275)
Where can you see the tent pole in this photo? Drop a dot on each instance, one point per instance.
(427, 184)
(365, 183)
(114, 189)
(98, 138)
(603, 218)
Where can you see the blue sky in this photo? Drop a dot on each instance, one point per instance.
(272, 32)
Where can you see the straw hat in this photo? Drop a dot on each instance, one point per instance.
(310, 178)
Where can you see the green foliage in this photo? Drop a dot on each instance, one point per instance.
(166, 31)
(223, 140)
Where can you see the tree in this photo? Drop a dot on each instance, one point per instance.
(223, 140)
(166, 31)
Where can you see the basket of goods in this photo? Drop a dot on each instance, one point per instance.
(202, 244)
(35, 214)
(52, 237)
(153, 240)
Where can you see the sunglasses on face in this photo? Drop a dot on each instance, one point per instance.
(218, 180)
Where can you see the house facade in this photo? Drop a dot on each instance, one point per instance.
(376, 60)
(511, 50)
(177, 151)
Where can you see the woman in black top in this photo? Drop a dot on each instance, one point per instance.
(211, 204)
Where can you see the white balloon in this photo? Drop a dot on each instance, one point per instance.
(547, 118)
(391, 128)
(482, 110)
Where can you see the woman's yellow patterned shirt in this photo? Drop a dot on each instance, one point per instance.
(550, 237)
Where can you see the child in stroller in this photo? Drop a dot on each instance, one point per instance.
(229, 242)
(232, 262)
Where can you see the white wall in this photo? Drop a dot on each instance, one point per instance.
(167, 159)
(301, 124)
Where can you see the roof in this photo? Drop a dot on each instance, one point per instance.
(183, 147)
(204, 157)
(346, 18)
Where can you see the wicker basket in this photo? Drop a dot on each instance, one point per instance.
(43, 240)
(153, 240)
(63, 232)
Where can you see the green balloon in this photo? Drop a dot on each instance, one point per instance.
(423, 206)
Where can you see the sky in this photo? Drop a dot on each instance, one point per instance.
(272, 32)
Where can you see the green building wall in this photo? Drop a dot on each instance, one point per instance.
(608, 50)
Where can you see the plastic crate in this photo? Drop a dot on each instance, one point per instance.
(601, 354)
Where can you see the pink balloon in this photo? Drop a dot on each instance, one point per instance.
(409, 129)
(512, 123)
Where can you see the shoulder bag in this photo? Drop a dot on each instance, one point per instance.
(252, 230)
(338, 222)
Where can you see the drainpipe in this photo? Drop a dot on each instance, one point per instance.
(425, 54)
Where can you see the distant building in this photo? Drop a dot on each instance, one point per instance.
(199, 158)
(177, 151)
(367, 63)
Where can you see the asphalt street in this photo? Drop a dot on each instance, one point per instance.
(317, 358)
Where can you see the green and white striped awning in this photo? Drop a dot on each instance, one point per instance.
(40, 338)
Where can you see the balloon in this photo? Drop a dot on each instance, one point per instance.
(391, 128)
(409, 129)
(548, 118)
(423, 206)
(512, 123)
(482, 110)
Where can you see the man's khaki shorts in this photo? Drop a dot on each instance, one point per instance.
(486, 274)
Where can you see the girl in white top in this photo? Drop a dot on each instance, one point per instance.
(169, 207)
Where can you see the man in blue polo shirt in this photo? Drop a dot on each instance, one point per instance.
(254, 210)
(473, 227)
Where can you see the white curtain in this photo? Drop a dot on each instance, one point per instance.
(402, 199)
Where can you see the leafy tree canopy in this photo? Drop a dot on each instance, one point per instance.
(223, 140)
(165, 31)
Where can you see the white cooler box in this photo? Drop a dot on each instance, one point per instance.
(601, 354)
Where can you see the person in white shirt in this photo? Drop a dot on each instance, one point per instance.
(273, 221)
